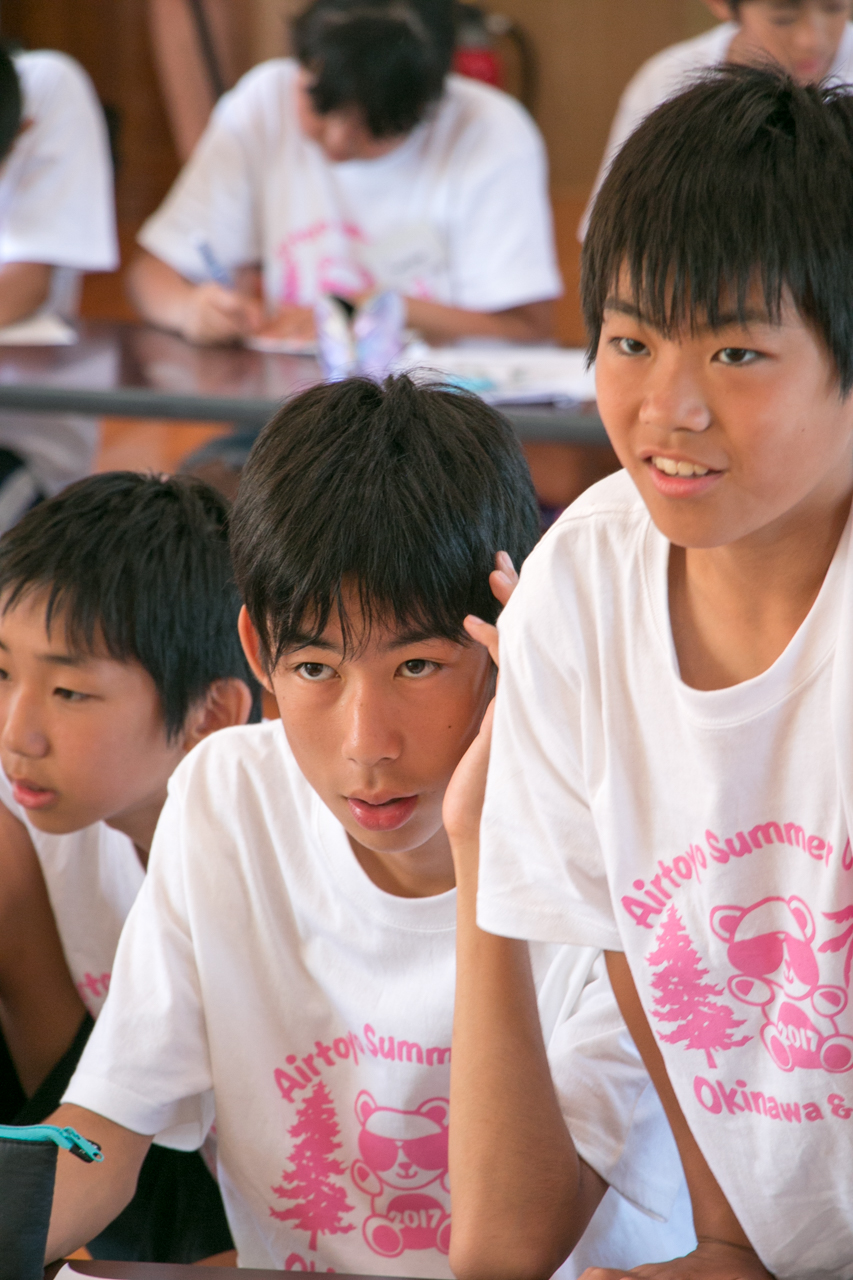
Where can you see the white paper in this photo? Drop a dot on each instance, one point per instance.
(38, 331)
(67, 1273)
(280, 346)
(507, 374)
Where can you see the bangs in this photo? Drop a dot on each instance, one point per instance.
(380, 506)
(734, 194)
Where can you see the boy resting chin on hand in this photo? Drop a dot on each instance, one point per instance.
(289, 964)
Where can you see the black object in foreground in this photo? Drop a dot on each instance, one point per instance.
(27, 1175)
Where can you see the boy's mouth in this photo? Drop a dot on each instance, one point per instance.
(386, 815)
(678, 478)
(29, 796)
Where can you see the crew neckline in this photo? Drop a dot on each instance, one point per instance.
(809, 649)
(434, 914)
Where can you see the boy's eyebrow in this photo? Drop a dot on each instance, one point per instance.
(724, 320)
(400, 641)
(57, 659)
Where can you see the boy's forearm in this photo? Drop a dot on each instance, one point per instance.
(521, 1195)
(88, 1196)
(532, 322)
(24, 287)
(158, 292)
(713, 1217)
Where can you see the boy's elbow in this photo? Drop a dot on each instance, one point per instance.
(491, 1255)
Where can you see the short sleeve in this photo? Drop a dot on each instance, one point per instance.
(542, 873)
(214, 201)
(146, 1065)
(56, 190)
(502, 240)
(609, 1103)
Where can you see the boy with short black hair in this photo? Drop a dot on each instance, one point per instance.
(810, 39)
(359, 166)
(289, 964)
(671, 769)
(118, 653)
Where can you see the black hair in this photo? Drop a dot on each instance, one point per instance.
(141, 565)
(404, 493)
(389, 58)
(744, 180)
(11, 103)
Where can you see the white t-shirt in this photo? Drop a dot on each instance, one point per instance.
(263, 977)
(56, 185)
(704, 834)
(92, 878)
(670, 71)
(56, 207)
(458, 213)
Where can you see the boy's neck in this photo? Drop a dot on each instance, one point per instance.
(418, 873)
(139, 825)
(734, 609)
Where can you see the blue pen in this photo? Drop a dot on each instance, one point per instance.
(216, 271)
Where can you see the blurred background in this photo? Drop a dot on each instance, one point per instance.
(158, 66)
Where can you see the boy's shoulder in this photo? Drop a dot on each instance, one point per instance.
(665, 73)
(245, 766)
(598, 552)
(268, 87)
(611, 512)
(473, 105)
(45, 73)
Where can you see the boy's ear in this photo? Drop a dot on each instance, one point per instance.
(226, 703)
(721, 9)
(251, 643)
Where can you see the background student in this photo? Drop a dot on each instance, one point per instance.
(359, 165)
(118, 653)
(289, 962)
(671, 770)
(56, 220)
(811, 39)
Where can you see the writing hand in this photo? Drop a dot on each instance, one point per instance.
(295, 323)
(213, 314)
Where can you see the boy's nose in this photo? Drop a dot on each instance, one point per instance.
(20, 732)
(370, 736)
(672, 402)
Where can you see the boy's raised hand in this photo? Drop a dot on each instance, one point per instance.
(463, 800)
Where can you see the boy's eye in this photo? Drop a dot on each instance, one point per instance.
(70, 695)
(315, 672)
(630, 346)
(736, 356)
(416, 667)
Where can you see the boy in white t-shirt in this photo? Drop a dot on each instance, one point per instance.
(811, 39)
(672, 761)
(56, 221)
(118, 654)
(360, 165)
(289, 963)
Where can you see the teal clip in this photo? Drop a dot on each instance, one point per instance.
(70, 1139)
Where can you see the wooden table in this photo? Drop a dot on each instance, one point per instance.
(127, 370)
(169, 1271)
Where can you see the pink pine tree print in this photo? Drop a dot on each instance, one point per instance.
(682, 996)
(846, 936)
(321, 1202)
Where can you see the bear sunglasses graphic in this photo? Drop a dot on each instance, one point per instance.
(770, 944)
(401, 1153)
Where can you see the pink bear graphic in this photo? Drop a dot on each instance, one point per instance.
(770, 946)
(402, 1152)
